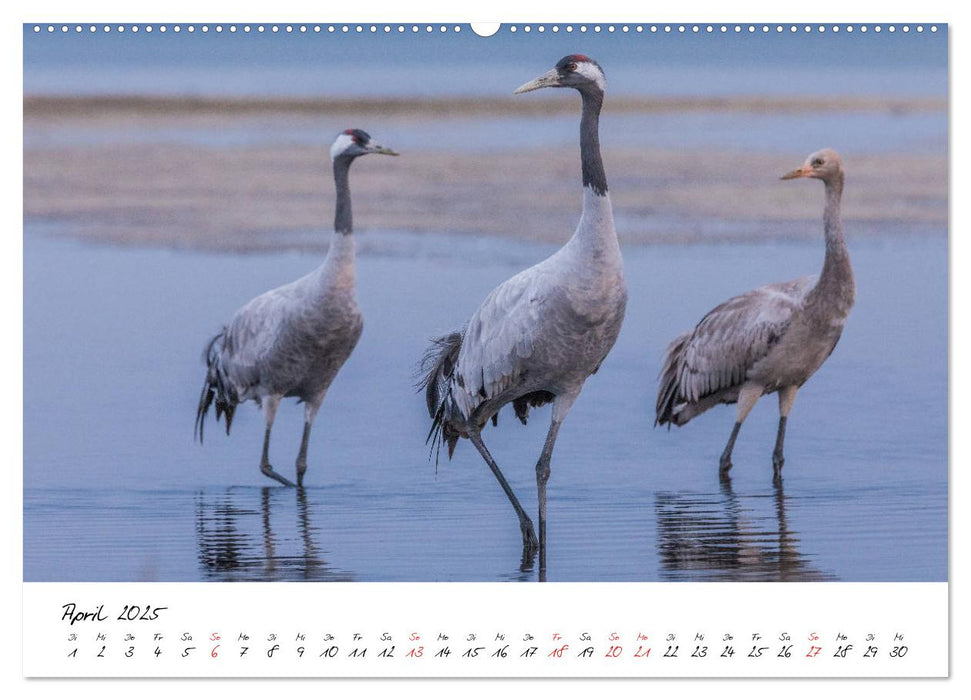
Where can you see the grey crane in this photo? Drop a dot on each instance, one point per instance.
(292, 340)
(771, 339)
(539, 335)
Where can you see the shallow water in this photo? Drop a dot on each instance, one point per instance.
(115, 489)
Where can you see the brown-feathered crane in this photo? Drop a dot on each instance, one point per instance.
(771, 339)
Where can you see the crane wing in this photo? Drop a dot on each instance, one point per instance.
(499, 338)
(733, 337)
(267, 342)
(250, 339)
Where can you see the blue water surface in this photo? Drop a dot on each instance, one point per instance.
(116, 489)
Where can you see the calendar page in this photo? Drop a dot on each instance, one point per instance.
(525, 350)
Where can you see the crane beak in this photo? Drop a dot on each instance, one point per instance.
(382, 150)
(804, 171)
(549, 79)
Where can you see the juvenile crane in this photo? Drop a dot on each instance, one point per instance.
(539, 335)
(771, 339)
(292, 340)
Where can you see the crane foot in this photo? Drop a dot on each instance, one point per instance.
(530, 541)
(530, 545)
(268, 471)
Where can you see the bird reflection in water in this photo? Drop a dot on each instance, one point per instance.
(715, 537)
(245, 537)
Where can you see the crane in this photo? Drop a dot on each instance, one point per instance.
(771, 339)
(539, 335)
(292, 340)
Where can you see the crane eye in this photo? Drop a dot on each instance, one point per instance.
(817, 162)
(571, 67)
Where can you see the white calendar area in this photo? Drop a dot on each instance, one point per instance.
(486, 630)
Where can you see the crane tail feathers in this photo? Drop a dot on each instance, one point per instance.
(435, 373)
(216, 390)
(669, 395)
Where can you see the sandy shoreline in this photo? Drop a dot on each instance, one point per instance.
(107, 105)
(267, 195)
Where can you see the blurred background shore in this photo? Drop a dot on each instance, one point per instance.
(250, 174)
(221, 142)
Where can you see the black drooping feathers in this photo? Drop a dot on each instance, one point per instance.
(215, 389)
(534, 399)
(436, 370)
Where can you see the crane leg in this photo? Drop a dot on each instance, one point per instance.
(302, 456)
(725, 462)
(542, 476)
(747, 397)
(270, 405)
(787, 396)
(310, 412)
(525, 524)
(561, 406)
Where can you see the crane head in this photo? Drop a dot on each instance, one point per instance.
(352, 143)
(821, 165)
(576, 71)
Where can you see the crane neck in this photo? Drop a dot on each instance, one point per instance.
(595, 236)
(836, 253)
(337, 272)
(836, 279)
(592, 165)
(343, 219)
